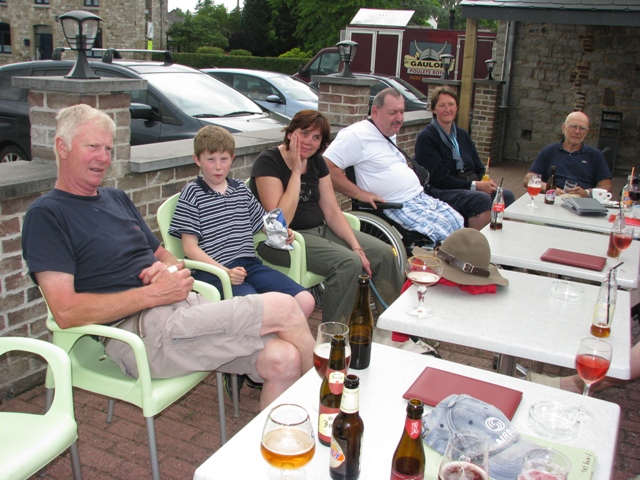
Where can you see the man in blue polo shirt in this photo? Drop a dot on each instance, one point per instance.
(573, 160)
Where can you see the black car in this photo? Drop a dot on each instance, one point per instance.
(179, 101)
(414, 99)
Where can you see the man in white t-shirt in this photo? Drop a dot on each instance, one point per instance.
(382, 173)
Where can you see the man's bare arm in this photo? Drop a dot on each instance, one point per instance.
(607, 184)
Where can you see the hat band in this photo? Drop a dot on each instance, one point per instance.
(463, 266)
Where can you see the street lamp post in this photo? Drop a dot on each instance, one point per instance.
(446, 59)
(347, 51)
(490, 64)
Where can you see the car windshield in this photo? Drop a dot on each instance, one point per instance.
(294, 89)
(408, 90)
(198, 94)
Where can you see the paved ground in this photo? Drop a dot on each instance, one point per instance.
(188, 431)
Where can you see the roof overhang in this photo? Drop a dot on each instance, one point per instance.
(576, 12)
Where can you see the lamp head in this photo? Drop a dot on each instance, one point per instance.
(446, 59)
(347, 51)
(490, 64)
(80, 29)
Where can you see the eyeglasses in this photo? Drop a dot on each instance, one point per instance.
(573, 126)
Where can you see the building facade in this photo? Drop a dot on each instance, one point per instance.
(29, 29)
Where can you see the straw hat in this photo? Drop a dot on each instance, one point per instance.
(466, 258)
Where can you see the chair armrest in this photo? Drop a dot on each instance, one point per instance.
(297, 256)
(213, 270)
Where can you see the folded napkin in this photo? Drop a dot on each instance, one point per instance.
(472, 289)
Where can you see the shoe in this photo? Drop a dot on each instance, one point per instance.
(543, 379)
(226, 384)
(250, 383)
(427, 348)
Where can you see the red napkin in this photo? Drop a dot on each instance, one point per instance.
(634, 222)
(472, 289)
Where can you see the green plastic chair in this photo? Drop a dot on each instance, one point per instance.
(93, 370)
(29, 442)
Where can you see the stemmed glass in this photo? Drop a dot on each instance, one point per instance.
(423, 271)
(322, 347)
(288, 442)
(533, 188)
(592, 362)
(622, 238)
(466, 456)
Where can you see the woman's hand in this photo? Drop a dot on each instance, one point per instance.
(366, 265)
(236, 275)
(294, 148)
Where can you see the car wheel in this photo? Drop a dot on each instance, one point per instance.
(11, 153)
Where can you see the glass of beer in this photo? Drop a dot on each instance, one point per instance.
(288, 442)
(424, 271)
(322, 347)
(466, 457)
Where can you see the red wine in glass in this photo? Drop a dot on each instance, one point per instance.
(592, 368)
(622, 241)
(533, 190)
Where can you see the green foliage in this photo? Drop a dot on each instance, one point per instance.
(283, 65)
(210, 50)
(240, 52)
(296, 53)
(197, 31)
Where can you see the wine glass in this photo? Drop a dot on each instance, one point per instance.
(322, 347)
(466, 456)
(533, 188)
(622, 238)
(423, 271)
(592, 362)
(288, 442)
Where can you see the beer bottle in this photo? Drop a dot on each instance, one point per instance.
(361, 327)
(550, 193)
(497, 210)
(346, 439)
(331, 389)
(408, 459)
(605, 306)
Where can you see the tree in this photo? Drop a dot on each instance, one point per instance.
(255, 33)
(197, 31)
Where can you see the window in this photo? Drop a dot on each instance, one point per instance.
(5, 38)
(42, 2)
(91, 3)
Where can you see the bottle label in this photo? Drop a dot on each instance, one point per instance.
(550, 195)
(325, 422)
(337, 457)
(497, 207)
(336, 381)
(399, 476)
(413, 428)
(350, 401)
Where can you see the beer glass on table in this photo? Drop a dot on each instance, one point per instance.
(288, 442)
(592, 363)
(533, 188)
(466, 458)
(424, 271)
(322, 347)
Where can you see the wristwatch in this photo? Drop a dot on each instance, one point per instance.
(588, 190)
(473, 186)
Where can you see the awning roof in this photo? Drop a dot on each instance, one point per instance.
(624, 13)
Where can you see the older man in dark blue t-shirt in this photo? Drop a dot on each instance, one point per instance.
(573, 160)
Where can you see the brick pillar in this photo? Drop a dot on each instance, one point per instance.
(343, 100)
(47, 95)
(485, 129)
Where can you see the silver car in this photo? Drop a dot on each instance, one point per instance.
(274, 91)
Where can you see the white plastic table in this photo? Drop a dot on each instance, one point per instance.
(383, 411)
(555, 215)
(522, 320)
(521, 245)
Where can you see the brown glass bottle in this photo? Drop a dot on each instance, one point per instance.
(550, 192)
(408, 459)
(361, 327)
(346, 439)
(331, 389)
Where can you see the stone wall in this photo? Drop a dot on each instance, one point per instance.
(561, 68)
(124, 24)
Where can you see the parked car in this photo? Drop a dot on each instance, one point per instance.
(275, 91)
(414, 99)
(179, 101)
